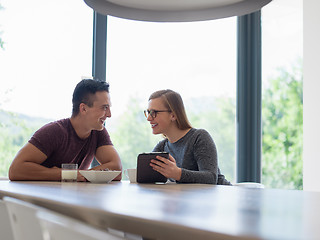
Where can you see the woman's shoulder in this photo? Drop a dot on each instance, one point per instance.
(160, 145)
(200, 135)
(199, 132)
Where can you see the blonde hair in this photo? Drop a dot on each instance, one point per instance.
(173, 102)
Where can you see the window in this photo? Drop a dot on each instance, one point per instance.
(197, 59)
(47, 49)
(282, 94)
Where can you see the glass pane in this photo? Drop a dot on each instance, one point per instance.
(197, 59)
(282, 106)
(47, 49)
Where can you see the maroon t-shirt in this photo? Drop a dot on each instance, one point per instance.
(60, 142)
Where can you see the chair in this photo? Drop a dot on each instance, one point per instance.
(59, 227)
(248, 185)
(29, 221)
(24, 223)
(125, 235)
(5, 226)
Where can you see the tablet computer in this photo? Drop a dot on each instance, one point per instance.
(145, 173)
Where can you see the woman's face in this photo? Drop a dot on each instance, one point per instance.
(163, 121)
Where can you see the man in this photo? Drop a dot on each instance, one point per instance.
(73, 140)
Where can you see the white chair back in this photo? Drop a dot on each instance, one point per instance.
(29, 221)
(24, 222)
(59, 227)
(248, 185)
(5, 225)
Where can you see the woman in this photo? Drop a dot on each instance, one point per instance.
(193, 154)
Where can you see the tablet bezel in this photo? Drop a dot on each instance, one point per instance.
(145, 173)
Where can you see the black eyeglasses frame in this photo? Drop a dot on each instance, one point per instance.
(153, 113)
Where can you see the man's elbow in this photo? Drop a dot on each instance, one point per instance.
(12, 174)
(119, 168)
(118, 178)
(15, 171)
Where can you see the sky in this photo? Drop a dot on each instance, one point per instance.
(48, 49)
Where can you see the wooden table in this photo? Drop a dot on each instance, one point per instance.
(180, 211)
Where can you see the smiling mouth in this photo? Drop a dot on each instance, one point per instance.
(154, 125)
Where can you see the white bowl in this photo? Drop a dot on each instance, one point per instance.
(99, 176)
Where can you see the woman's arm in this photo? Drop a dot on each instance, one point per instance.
(204, 154)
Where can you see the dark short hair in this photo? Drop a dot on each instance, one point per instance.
(84, 93)
(173, 102)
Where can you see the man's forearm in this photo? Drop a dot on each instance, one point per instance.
(32, 171)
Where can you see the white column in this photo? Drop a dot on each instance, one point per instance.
(311, 96)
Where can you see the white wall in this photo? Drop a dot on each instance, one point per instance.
(311, 96)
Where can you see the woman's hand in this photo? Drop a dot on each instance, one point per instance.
(167, 167)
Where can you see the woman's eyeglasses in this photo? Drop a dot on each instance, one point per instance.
(153, 113)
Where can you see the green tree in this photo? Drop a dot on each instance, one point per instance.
(217, 116)
(7, 152)
(282, 131)
(133, 134)
(15, 131)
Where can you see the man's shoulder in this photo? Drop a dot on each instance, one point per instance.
(62, 123)
(49, 135)
(56, 127)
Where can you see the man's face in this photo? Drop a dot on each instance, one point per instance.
(100, 111)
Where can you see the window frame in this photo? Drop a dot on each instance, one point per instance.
(248, 103)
